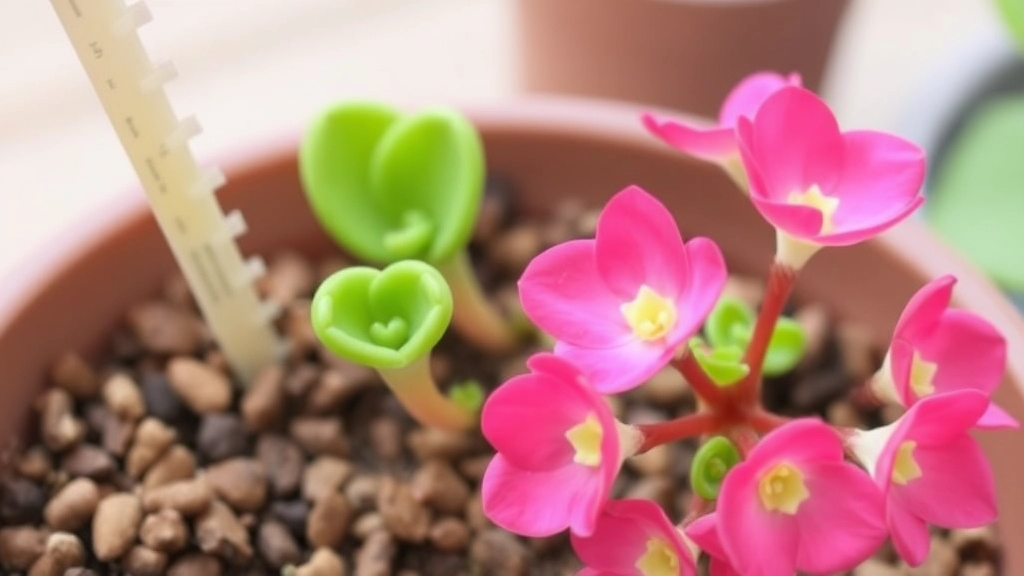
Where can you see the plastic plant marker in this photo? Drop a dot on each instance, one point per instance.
(731, 323)
(389, 186)
(1012, 12)
(710, 464)
(390, 320)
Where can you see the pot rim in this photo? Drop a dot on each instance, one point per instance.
(910, 242)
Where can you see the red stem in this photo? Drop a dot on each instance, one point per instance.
(745, 440)
(781, 279)
(689, 426)
(764, 422)
(695, 508)
(703, 386)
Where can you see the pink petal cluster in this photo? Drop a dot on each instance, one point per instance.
(718, 143)
(795, 505)
(704, 533)
(622, 304)
(819, 186)
(931, 470)
(938, 349)
(633, 538)
(558, 447)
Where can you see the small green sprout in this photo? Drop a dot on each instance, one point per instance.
(730, 326)
(390, 320)
(724, 365)
(710, 464)
(389, 186)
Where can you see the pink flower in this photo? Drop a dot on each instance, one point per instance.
(559, 450)
(930, 469)
(938, 349)
(795, 504)
(621, 305)
(633, 538)
(822, 187)
(718, 143)
(704, 533)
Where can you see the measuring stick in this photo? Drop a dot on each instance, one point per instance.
(202, 238)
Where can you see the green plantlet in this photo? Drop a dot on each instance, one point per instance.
(710, 464)
(390, 320)
(1012, 12)
(731, 324)
(724, 365)
(389, 186)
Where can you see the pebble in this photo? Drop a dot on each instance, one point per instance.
(299, 331)
(362, 490)
(117, 436)
(263, 402)
(337, 385)
(21, 501)
(240, 482)
(449, 534)
(63, 551)
(657, 460)
(301, 379)
(980, 544)
(660, 489)
(439, 486)
(124, 398)
(320, 436)
(816, 323)
(219, 532)
(977, 569)
(115, 525)
(429, 443)
(404, 516)
(744, 289)
(72, 506)
(152, 439)
(876, 567)
(20, 546)
(289, 276)
(498, 553)
(942, 560)
(856, 349)
(329, 521)
(815, 392)
(202, 388)
(196, 565)
(474, 513)
(667, 388)
(491, 217)
(90, 461)
(376, 555)
(325, 475)
(35, 464)
(386, 438)
(221, 436)
(513, 249)
(276, 545)
(143, 561)
(188, 497)
(844, 414)
(367, 524)
(58, 427)
(73, 374)
(161, 400)
(283, 461)
(323, 562)
(291, 513)
(164, 530)
(473, 468)
(177, 463)
(163, 328)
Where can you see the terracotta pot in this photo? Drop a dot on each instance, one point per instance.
(73, 294)
(679, 54)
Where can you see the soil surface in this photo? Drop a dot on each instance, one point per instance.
(152, 461)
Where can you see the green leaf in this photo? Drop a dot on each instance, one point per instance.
(728, 319)
(469, 395)
(710, 464)
(724, 365)
(387, 186)
(382, 318)
(785, 349)
(1013, 14)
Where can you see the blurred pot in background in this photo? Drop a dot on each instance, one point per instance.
(679, 54)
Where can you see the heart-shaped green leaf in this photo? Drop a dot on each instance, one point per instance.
(388, 186)
(723, 364)
(382, 318)
(731, 325)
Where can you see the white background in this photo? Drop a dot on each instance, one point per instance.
(255, 69)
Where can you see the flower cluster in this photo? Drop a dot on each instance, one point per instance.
(787, 495)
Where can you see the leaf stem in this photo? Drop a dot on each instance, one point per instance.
(689, 426)
(703, 386)
(474, 316)
(781, 279)
(413, 385)
(764, 421)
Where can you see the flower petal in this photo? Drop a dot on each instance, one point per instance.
(712, 143)
(995, 418)
(956, 488)
(539, 504)
(706, 283)
(623, 531)
(968, 350)
(924, 308)
(909, 533)
(941, 418)
(638, 243)
(704, 532)
(614, 370)
(803, 440)
(796, 220)
(842, 523)
(562, 293)
(747, 96)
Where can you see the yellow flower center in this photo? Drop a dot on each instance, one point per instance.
(659, 559)
(905, 468)
(649, 315)
(813, 198)
(922, 374)
(585, 438)
(783, 489)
